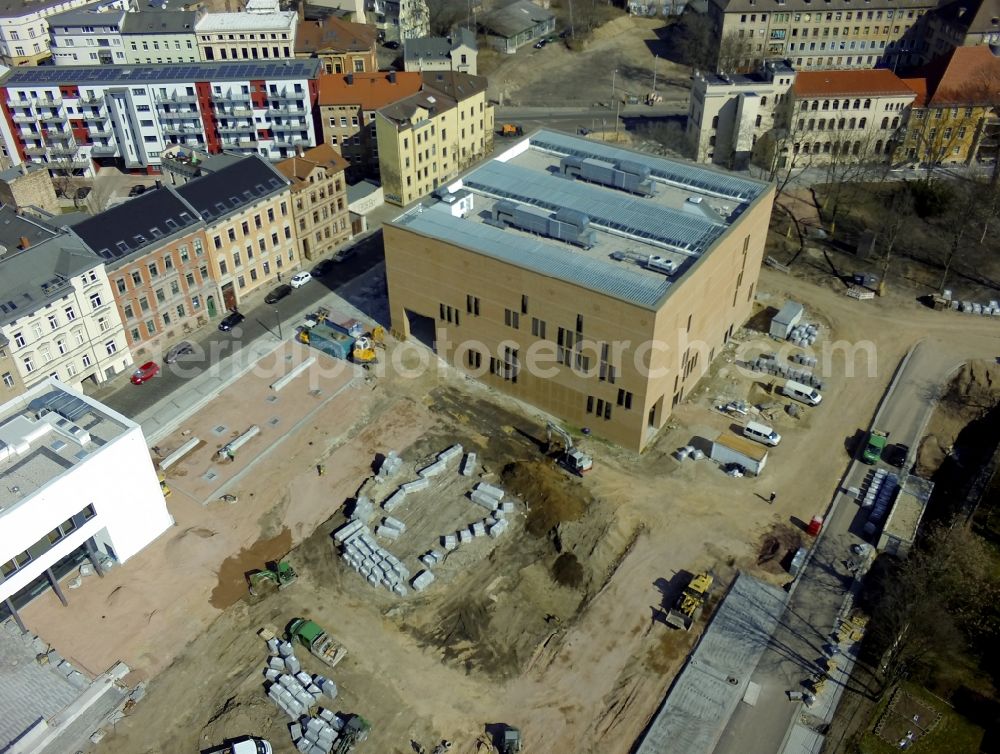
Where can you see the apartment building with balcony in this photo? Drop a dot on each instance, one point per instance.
(779, 116)
(82, 118)
(154, 251)
(261, 32)
(399, 20)
(340, 46)
(347, 104)
(24, 31)
(319, 201)
(554, 317)
(428, 138)
(860, 34)
(58, 316)
(246, 210)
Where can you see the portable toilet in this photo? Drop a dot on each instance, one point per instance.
(815, 526)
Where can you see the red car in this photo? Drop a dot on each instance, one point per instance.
(146, 372)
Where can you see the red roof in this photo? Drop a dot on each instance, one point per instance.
(965, 76)
(370, 91)
(920, 87)
(880, 81)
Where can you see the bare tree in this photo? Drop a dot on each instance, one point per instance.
(736, 53)
(890, 224)
(694, 39)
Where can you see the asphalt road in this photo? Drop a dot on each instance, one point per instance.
(572, 119)
(797, 644)
(262, 321)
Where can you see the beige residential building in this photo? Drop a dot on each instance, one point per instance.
(778, 117)
(58, 316)
(319, 201)
(510, 276)
(28, 186)
(428, 138)
(24, 31)
(248, 221)
(347, 104)
(262, 31)
(810, 35)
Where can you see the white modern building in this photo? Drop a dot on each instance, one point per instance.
(58, 317)
(399, 20)
(82, 118)
(262, 31)
(78, 484)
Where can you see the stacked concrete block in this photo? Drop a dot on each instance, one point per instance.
(276, 663)
(486, 501)
(431, 558)
(390, 465)
(469, 464)
(449, 542)
(422, 580)
(394, 500)
(478, 529)
(373, 562)
(292, 664)
(416, 485)
(363, 509)
(507, 506)
(394, 523)
(347, 531)
(448, 454)
(317, 736)
(491, 490)
(497, 529)
(438, 467)
(464, 536)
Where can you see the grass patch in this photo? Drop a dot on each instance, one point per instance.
(953, 734)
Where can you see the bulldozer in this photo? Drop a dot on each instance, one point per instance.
(690, 602)
(363, 351)
(280, 573)
(511, 741)
(571, 457)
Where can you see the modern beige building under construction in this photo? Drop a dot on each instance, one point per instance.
(593, 282)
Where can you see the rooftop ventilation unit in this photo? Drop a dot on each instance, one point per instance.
(620, 174)
(653, 262)
(567, 225)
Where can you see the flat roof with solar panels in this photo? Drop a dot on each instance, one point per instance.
(623, 223)
(162, 73)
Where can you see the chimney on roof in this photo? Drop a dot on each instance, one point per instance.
(23, 243)
(349, 79)
(301, 10)
(299, 151)
(392, 77)
(24, 168)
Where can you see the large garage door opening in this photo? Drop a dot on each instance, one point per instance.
(423, 329)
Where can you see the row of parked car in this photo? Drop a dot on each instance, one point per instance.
(151, 369)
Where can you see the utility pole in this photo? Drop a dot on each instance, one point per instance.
(614, 73)
(617, 119)
(655, 59)
(277, 317)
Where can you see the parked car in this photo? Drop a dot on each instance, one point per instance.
(322, 268)
(230, 321)
(146, 372)
(392, 45)
(184, 348)
(82, 193)
(299, 279)
(137, 190)
(540, 43)
(277, 294)
(897, 455)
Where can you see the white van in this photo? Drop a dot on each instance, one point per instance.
(761, 433)
(803, 393)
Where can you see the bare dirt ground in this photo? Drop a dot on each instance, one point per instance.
(556, 75)
(497, 638)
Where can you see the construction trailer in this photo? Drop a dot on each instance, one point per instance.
(730, 448)
(785, 320)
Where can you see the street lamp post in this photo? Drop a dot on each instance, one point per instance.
(655, 59)
(614, 73)
(277, 318)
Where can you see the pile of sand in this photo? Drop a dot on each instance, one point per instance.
(552, 497)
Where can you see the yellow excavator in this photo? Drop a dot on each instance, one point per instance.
(364, 351)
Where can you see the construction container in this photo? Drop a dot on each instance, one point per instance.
(786, 319)
(732, 449)
(331, 341)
